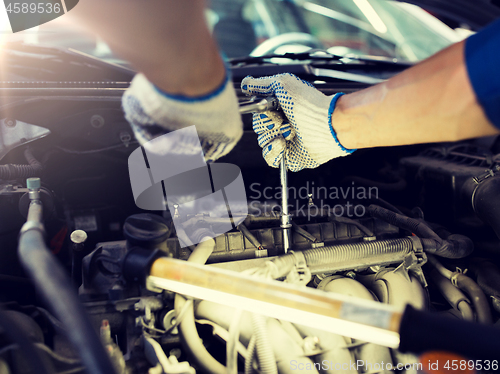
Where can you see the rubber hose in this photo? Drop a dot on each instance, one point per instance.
(55, 287)
(458, 246)
(187, 327)
(439, 267)
(250, 355)
(31, 159)
(455, 246)
(476, 296)
(406, 223)
(265, 353)
(465, 310)
(484, 199)
(487, 276)
(452, 294)
(12, 171)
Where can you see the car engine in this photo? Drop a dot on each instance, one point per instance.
(415, 225)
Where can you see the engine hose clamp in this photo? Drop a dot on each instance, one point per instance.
(300, 259)
(300, 274)
(416, 244)
(286, 221)
(454, 278)
(32, 225)
(486, 175)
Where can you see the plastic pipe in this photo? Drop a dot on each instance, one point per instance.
(187, 328)
(359, 319)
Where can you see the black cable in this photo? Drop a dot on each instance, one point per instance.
(13, 171)
(98, 150)
(403, 222)
(56, 289)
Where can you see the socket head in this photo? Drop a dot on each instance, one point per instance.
(33, 183)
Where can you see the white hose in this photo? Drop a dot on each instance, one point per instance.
(234, 337)
(265, 353)
(187, 328)
(250, 355)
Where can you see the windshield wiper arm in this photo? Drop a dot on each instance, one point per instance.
(317, 55)
(330, 73)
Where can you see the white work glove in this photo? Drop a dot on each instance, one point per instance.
(304, 134)
(216, 116)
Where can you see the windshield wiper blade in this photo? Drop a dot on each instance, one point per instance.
(319, 55)
(316, 55)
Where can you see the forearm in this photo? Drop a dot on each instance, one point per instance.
(167, 40)
(430, 102)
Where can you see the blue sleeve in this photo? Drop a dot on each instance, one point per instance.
(482, 56)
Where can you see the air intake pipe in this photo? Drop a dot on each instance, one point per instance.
(483, 194)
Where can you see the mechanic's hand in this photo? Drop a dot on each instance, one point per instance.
(216, 116)
(304, 134)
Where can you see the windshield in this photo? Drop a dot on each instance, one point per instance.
(258, 27)
(363, 27)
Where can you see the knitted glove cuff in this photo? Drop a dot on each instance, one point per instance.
(216, 116)
(327, 144)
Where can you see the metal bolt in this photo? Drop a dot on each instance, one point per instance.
(78, 238)
(125, 138)
(311, 344)
(311, 202)
(10, 122)
(97, 121)
(351, 274)
(169, 320)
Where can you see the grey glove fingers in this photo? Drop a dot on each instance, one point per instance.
(273, 152)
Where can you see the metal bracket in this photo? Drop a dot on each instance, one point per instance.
(14, 133)
(300, 274)
(413, 262)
